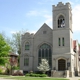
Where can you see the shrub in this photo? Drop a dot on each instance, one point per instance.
(36, 75)
(43, 75)
(39, 72)
(27, 74)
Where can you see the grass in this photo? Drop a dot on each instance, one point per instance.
(4, 75)
(30, 78)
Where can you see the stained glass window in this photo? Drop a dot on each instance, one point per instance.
(45, 53)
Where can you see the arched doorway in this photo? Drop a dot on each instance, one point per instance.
(61, 64)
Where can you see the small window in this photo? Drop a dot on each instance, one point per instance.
(27, 46)
(26, 61)
(63, 41)
(59, 42)
(44, 32)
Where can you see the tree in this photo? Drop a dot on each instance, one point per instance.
(4, 50)
(17, 41)
(43, 66)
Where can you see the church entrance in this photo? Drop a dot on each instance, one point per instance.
(61, 64)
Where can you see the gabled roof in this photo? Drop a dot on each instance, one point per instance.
(43, 27)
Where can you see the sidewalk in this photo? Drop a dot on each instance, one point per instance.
(74, 78)
(5, 79)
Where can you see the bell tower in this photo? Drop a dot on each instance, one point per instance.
(62, 16)
(63, 56)
(62, 28)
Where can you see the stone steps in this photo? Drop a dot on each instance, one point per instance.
(58, 74)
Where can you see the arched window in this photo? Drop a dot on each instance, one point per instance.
(61, 22)
(45, 53)
(27, 46)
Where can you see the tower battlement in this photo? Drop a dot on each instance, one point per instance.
(60, 5)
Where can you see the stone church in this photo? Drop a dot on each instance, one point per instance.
(56, 45)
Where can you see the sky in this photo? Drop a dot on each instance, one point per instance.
(30, 15)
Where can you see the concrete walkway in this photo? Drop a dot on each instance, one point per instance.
(74, 78)
(5, 79)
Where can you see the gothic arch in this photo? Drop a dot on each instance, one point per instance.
(61, 64)
(44, 43)
(59, 15)
(45, 52)
(27, 45)
(60, 20)
(61, 57)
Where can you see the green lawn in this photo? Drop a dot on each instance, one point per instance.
(35, 78)
(31, 78)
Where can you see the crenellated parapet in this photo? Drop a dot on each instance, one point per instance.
(61, 5)
(27, 35)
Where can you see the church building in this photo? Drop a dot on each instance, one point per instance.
(56, 44)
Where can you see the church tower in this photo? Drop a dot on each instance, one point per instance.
(62, 28)
(62, 37)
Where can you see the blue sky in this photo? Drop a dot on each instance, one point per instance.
(29, 15)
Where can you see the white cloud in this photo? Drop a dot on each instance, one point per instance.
(76, 18)
(48, 19)
(33, 31)
(32, 13)
(14, 32)
(37, 12)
